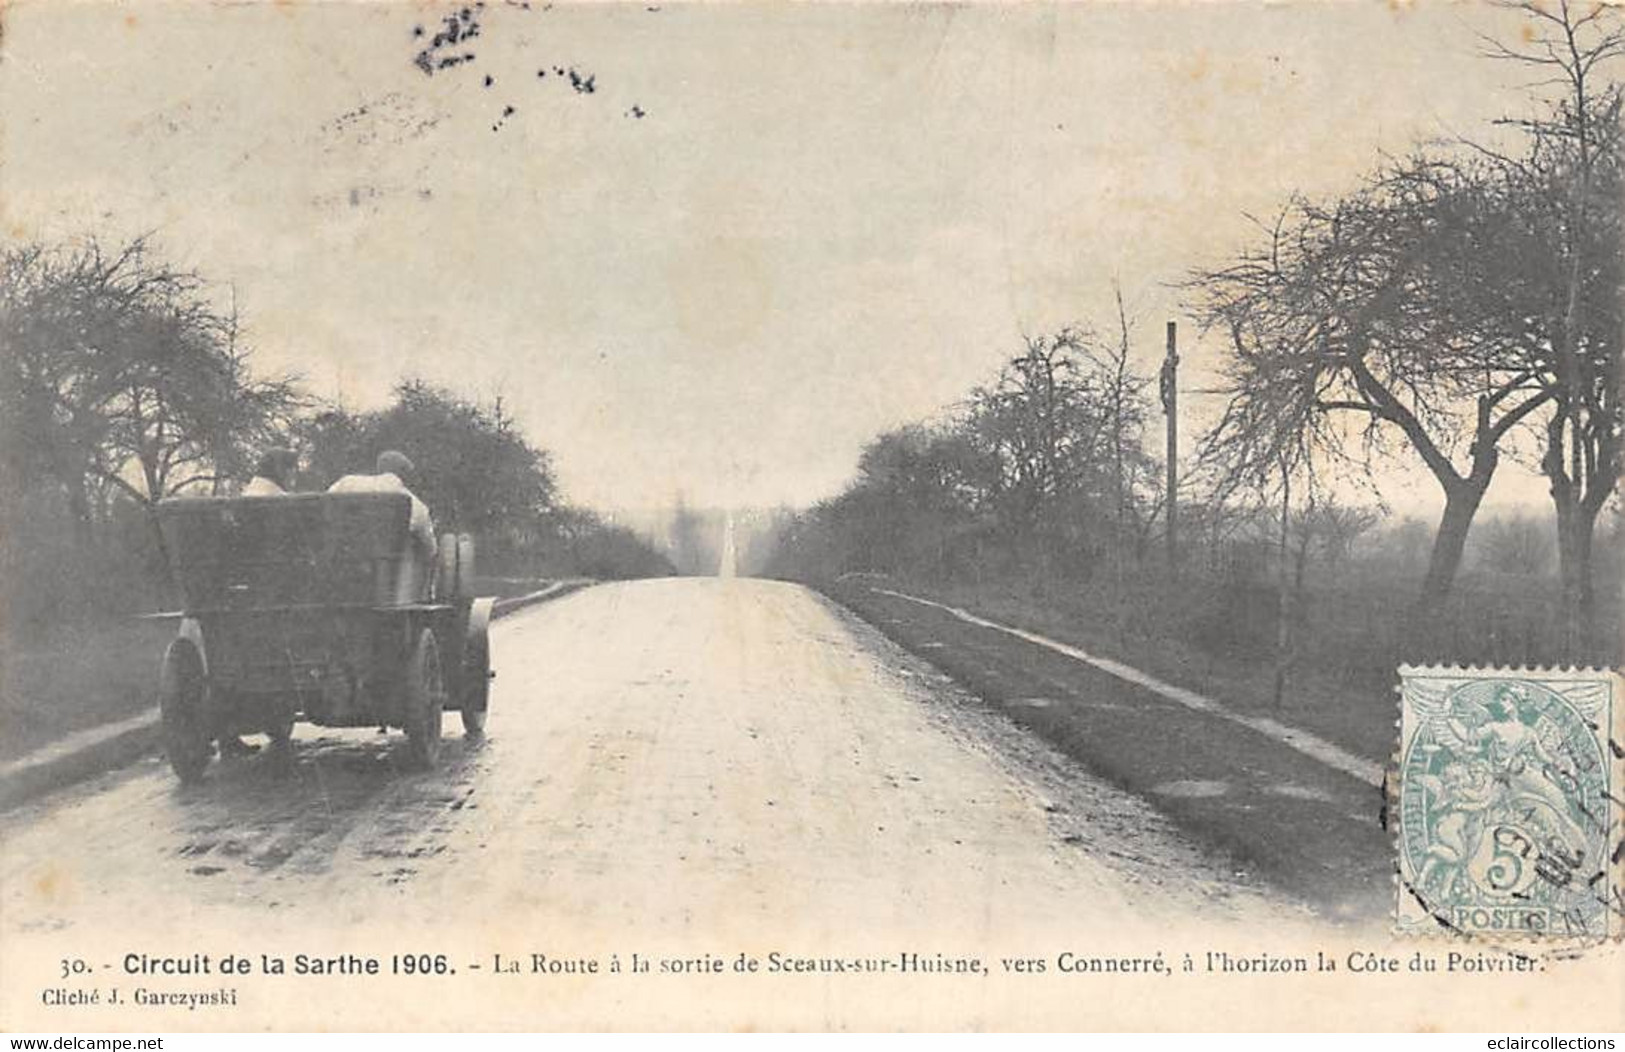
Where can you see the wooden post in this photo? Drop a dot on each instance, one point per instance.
(1170, 406)
(1283, 607)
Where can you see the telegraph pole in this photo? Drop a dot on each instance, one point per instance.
(1170, 407)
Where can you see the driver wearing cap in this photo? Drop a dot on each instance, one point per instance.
(392, 468)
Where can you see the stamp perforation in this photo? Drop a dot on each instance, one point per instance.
(1504, 791)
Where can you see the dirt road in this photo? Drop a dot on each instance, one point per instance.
(682, 776)
(696, 762)
(1298, 809)
(699, 746)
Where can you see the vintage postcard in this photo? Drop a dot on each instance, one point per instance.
(525, 516)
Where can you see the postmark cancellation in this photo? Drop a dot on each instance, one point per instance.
(1508, 801)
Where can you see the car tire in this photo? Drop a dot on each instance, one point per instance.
(476, 683)
(425, 701)
(182, 696)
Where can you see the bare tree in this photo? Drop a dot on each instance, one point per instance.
(1353, 327)
(1327, 531)
(1064, 426)
(1565, 294)
(118, 374)
(1137, 498)
(187, 412)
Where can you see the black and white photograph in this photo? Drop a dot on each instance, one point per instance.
(531, 516)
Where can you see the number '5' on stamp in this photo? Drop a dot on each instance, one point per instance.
(1509, 800)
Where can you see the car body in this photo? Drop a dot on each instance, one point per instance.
(316, 607)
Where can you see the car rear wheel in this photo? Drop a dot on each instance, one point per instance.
(425, 701)
(476, 683)
(181, 694)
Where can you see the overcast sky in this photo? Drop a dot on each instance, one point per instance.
(766, 233)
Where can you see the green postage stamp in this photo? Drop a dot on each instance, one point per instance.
(1508, 803)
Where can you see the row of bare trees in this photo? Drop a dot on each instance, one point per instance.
(1458, 309)
(120, 376)
(1044, 467)
(1461, 307)
(124, 380)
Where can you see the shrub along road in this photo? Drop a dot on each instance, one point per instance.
(1298, 811)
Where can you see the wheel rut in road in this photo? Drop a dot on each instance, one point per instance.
(677, 757)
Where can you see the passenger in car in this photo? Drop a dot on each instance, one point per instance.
(273, 473)
(393, 468)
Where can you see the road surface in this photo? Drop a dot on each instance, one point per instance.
(689, 763)
(1298, 809)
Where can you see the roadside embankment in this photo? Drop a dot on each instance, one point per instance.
(1289, 805)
